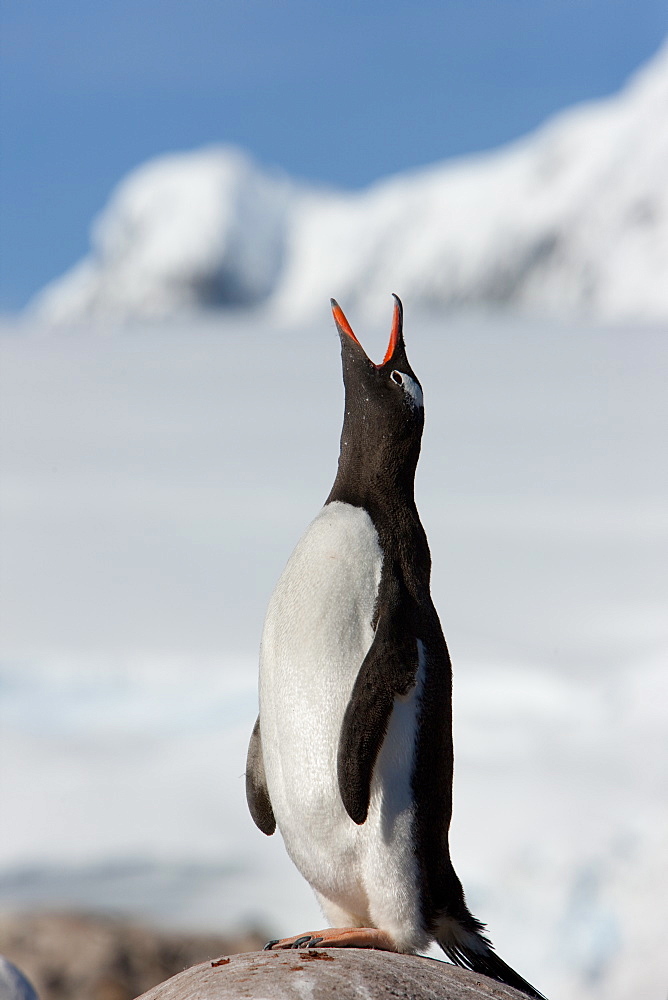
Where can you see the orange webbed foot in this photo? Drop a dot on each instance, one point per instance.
(337, 937)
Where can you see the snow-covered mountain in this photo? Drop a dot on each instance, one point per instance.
(570, 221)
(181, 232)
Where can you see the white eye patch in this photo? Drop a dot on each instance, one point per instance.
(410, 387)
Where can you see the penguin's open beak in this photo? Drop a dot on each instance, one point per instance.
(396, 333)
(342, 324)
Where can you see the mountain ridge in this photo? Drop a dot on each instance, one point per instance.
(570, 221)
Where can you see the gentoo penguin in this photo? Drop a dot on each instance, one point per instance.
(351, 756)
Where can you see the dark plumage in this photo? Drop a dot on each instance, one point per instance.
(392, 748)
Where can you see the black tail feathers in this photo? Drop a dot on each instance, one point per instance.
(470, 949)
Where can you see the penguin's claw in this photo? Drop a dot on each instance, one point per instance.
(306, 941)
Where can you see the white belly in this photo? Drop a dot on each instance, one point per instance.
(316, 635)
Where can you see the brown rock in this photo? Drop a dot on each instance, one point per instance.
(329, 974)
(81, 957)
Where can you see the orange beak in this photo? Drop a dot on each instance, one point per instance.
(342, 322)
(395, 333)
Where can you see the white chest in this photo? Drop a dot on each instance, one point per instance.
(318, 625)
(316, 635)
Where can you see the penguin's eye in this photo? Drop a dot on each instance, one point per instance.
(410, 387)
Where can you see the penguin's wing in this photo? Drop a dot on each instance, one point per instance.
(389, 669)
(257, 793)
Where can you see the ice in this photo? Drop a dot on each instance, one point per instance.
(155, 482)
(569, 222)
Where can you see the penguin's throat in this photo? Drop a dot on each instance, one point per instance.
(381, 477)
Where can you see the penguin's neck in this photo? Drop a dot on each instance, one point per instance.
(374, 471)
(383, 485)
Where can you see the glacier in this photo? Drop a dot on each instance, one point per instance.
(569, 222)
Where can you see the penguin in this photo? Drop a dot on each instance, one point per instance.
(351, 756)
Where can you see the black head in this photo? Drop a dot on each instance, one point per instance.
(384, 417)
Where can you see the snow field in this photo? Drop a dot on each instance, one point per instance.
(155, 481)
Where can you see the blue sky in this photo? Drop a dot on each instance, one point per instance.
(342, 92)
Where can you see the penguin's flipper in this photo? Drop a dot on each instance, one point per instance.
(389, 669)
(257, 793)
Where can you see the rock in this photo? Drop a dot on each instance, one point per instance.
(82, 957)
(324, 973)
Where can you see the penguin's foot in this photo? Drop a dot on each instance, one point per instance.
(337, 937)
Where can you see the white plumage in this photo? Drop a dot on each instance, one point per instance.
(316, 635)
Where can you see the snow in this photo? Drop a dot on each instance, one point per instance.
(155, 482)
(181, 233)
(569, 222)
